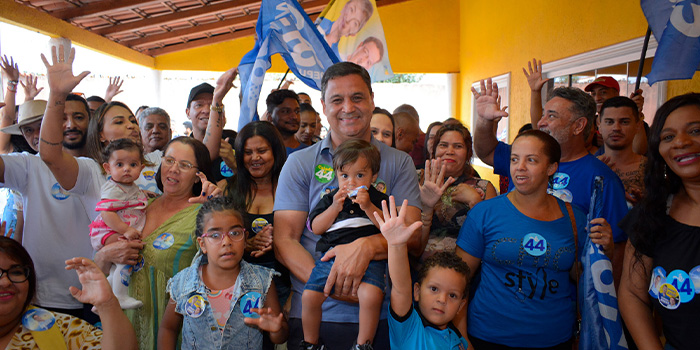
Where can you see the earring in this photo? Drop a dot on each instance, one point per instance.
(665, 172)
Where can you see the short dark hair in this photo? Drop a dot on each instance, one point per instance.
(620, 101)
(16, 252)
(349, 151)
(342, 69)
(378, 43)
(303, 93)
(74, 97)
(447, 260)
(201, 155)
(276, 98)
(583, 105)
(213, 205)
(306, 107)
(95, 98)
(552, 149)
(122, 144)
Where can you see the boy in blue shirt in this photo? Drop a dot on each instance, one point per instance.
(440, 292)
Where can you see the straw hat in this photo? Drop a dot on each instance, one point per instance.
(29, 112)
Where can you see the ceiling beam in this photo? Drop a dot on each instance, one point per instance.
(98, 8)
(176, 16)
(312, 8)
(201, 42)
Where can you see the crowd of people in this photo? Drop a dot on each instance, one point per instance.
(376, 236)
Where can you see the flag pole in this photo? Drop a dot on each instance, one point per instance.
(641, 59)
(287, 72)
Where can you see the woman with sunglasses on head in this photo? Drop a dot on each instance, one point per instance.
(23, 326)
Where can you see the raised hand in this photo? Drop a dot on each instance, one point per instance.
(393, 226)
(3, 227)
(638, 99)
(96, 289)
(226, 153)
(224, 84)
(113, 89)
(9, 68)
(60, 73)
(267, 321)
(434, 183)
(30, 89)
(534, 78)
(209, 190)
(487, 106)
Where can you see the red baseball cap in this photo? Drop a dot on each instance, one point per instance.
(603, 81)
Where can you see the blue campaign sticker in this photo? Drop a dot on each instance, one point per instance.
(125, 275)
(139, 264)
(695, 277)
(683, 284)
(380, 185)
(327, 190)
(560, 181)
(38, 320)
(195, 306)
(149, 175)
(658, 277)
(258, 224)
(58, 192)
(225, 170)
(669, 297)
(534, 244)
(164, 241)
(250, 300)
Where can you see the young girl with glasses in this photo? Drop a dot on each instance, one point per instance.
(121, 210)
(220, 301)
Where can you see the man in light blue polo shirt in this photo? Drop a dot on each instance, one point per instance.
(348, 102)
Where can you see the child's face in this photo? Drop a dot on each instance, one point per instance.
(354, 175)
(440, 295)
(226, 251)
(124, 166)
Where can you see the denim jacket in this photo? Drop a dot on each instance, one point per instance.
(203, 332)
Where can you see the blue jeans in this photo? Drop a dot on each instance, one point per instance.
(374, 275)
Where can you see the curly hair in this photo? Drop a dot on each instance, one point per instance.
(214, 205)
(447, 260)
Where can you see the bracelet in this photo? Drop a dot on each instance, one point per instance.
(10, 89)
(12, 82)
(219, 108)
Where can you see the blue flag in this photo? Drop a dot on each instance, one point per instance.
(283, 27)
(601, 326)
(676, 27)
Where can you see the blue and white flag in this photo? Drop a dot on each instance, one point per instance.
(601, 326)
(283, 27)
(676, 27)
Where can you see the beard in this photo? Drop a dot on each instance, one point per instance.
(76, 144)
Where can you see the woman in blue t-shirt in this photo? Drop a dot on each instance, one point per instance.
(525, 246)
(662, 263)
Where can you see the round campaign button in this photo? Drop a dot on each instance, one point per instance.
(534, 244)
(658, 277)
(225, 170)
(684, 285)
(164, 241)
(139, 264)
(149, 175)
(58, 192)
(695, 277)
(258, 224)
(668, 296)
(195, 306)
(250, 300)
(323, 173)
(38, 320)
(560, 181)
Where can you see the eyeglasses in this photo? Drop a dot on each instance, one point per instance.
(183, 164)
(218, 237)
(16, 274)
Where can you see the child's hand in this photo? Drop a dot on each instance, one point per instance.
(339, 199)
(394, 228)
(267, 321)
(362, 198)
(132, 234)
(96, 289)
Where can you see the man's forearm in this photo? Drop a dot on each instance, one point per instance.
(295, 257)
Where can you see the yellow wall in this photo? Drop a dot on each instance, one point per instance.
(422, 36)
(500, 37)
